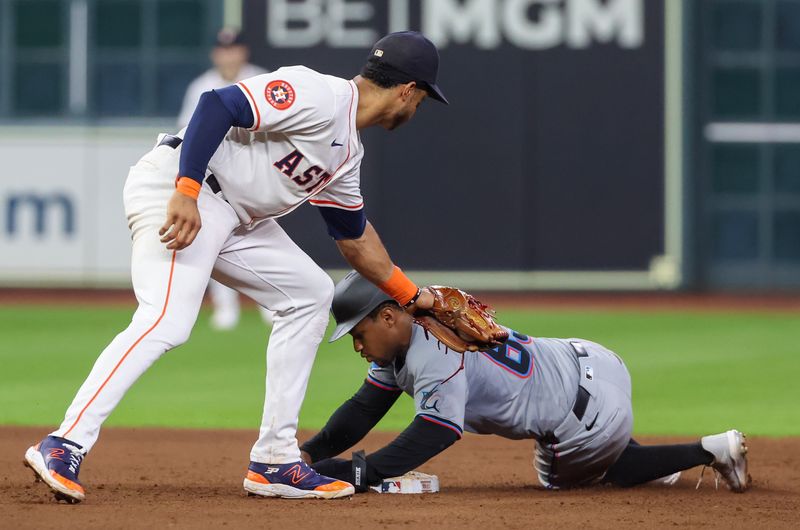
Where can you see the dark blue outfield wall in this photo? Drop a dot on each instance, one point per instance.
(550, 155)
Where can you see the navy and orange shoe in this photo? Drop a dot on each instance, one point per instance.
(57, 462)
(293, 481)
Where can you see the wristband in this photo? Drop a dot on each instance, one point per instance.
(400, 287)
(359, 467)
(413, 300)
(188, 186)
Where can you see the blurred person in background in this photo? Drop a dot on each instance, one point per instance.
(230, 57)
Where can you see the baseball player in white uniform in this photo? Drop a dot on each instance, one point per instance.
(229, 56)
(301, 143)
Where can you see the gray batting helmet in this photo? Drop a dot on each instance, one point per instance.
(353, 299)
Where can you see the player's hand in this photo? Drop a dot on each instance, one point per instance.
(183, 222)
(425, 301)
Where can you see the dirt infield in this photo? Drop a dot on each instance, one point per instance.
(145, 478)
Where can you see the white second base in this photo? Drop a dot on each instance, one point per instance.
(412, 482)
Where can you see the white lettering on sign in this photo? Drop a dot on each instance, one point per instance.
(292, 24)
(485, 24)
(398, 15)
(342, 15)
(620, 20)
(471, 22)
(523, 32)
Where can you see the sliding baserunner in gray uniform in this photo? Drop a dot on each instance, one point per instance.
(572, 396)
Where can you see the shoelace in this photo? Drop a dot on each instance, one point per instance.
(75, 457)
(716, 478)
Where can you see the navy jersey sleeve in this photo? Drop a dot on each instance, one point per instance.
(216, 112)
(344, 224)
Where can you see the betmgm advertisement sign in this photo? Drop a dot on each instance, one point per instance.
(484, 24)
(557, 163)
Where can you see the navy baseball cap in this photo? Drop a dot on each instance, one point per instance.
(227, 37)
(411, 53)
(353, 299)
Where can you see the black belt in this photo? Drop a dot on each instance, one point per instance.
(173, 142)
(582, 398)
(213, 183)
(170, 140)
(581, 401)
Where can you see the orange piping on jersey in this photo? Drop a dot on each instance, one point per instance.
(253, 101)
(439, 421)
(188, 186)
(163, 312)
(333, 203)
(399, 287)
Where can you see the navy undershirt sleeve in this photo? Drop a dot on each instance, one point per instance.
(237, 104)
(421, 441)
(216, 112)
(351, 422)
(344, 224)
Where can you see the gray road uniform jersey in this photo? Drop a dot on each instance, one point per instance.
(573, 396)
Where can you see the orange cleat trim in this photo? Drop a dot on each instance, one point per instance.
(255, 477)
(74, 486)
(333, 486)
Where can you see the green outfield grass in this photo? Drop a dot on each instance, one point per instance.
(692, 372)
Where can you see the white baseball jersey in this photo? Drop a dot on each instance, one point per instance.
(310, 149)
(210, 80)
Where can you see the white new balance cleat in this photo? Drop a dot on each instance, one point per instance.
(730, 458)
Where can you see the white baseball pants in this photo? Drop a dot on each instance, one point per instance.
(262, 263)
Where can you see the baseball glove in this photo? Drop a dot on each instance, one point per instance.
(460, 322)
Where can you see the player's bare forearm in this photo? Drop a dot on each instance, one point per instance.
(367, 255)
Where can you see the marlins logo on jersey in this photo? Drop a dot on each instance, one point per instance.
(430, 400)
